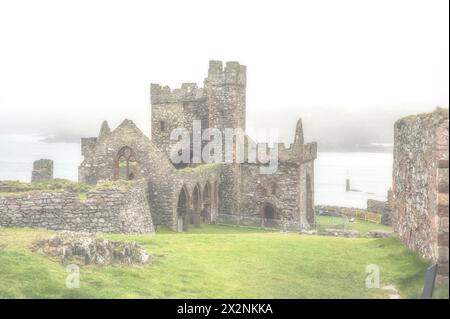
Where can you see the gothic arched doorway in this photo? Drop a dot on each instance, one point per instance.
(196, 205)
(183, 208)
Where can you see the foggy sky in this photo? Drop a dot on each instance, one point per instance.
(348, 68)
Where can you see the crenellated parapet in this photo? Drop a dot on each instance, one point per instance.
(233, 73)
(187, 92)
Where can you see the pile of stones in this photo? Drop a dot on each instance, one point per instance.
(339, 232)
(88, 249)
(378, 234)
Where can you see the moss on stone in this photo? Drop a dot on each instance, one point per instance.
(201, 168)
(28, 192)
(438, 113)
(118, 184)
(63, 184)
(82, 196)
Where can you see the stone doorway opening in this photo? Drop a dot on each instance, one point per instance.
(196, 205)
(269, 211)
(183, 210)
(206, 211)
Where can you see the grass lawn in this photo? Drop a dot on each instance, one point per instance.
(218, 262)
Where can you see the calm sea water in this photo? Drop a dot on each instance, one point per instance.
(368, 172)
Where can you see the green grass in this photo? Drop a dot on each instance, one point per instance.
(56, 184)
(441, 292)
(202, 168)
(360, 225)
(82, 196)
(218, 262)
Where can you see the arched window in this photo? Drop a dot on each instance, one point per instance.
(126, 164)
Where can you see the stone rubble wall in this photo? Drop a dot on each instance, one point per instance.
(109, 210)
(443, 209)
(420, 201)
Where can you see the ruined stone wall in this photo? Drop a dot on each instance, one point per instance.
(290, 190)
(281, 190)
(163, 181)
(101, 155)
(165, 195)
(42, 171)
(443, 211)
(419, 219)
(105, 210)
(306, 193)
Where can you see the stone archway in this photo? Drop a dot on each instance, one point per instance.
(183, 207)
(196, 205)
(207, 204)
(310, 214)
(126, 166)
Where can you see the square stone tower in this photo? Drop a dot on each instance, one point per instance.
(42, 171)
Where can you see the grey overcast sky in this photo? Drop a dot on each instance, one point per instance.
(342, 65)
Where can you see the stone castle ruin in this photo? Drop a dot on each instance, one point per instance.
(145, 188)
(180, 195)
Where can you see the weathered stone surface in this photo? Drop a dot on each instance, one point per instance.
(339, 232)
(420, 183)
(42, 171)
(87, 249)
(378, 234)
